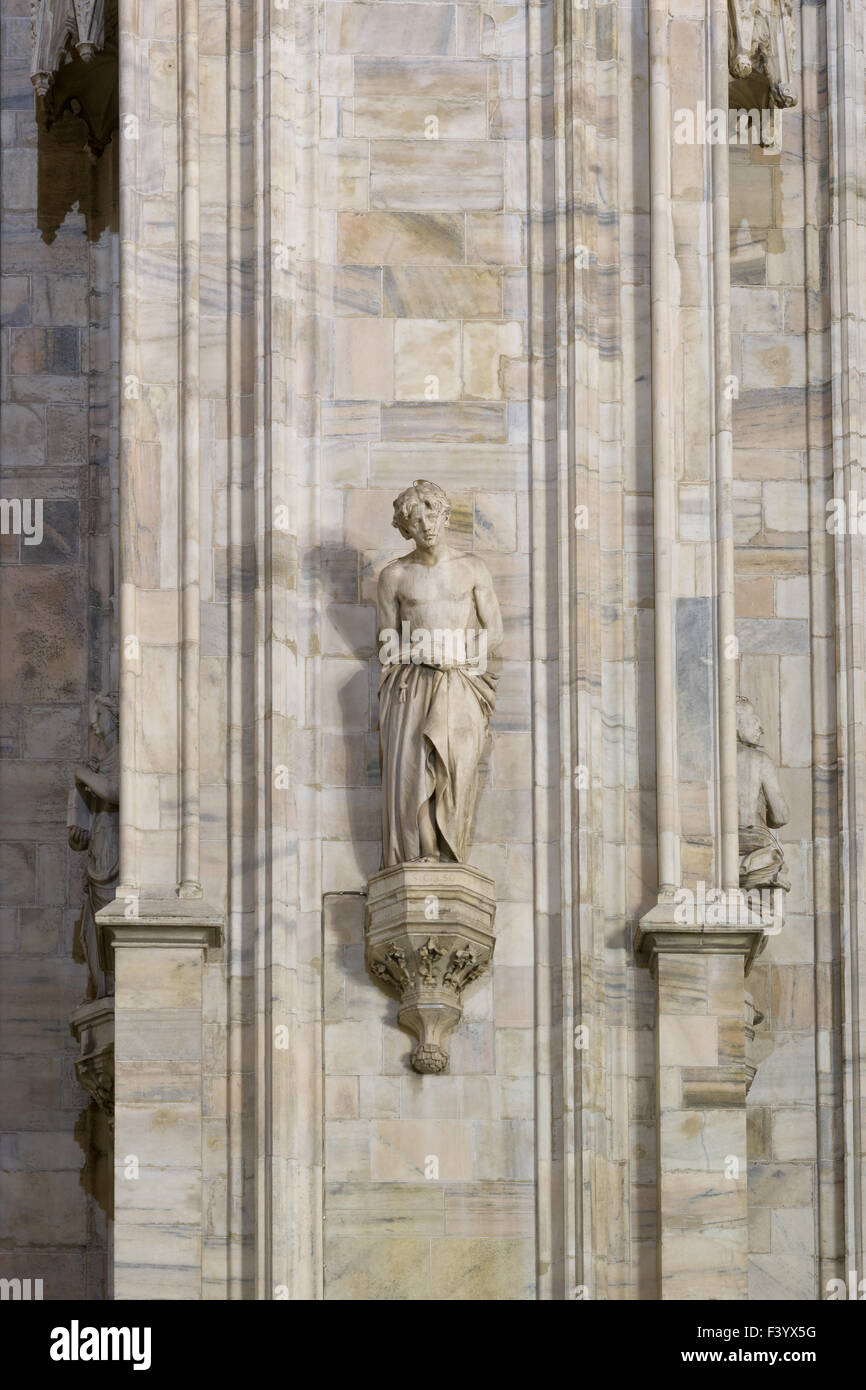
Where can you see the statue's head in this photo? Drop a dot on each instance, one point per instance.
(420, 512)
(105, 718)
(749, 728)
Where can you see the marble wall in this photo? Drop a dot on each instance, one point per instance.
(58, 444)
(419, 247)
(785, 624)
(429, 1181)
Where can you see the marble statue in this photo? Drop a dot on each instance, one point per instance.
(93, 826)
(440, 630)
(761, 806)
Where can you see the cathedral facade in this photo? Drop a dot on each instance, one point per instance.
(525, 966)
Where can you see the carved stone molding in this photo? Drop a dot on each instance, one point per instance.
(73, 65)
(744, 933)
(429, 934)
(93, 1026)
(157, 922)
(761, 53)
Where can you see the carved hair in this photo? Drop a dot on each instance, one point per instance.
(744, 707)
(109, 704)
(420, 491)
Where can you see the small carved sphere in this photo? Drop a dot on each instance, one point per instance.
(429, 1058)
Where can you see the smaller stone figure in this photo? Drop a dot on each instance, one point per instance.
(439, 621)
(761, 805)
(93, 825)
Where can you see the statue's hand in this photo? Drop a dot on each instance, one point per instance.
(79, 838)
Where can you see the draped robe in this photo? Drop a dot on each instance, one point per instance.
(433, 725)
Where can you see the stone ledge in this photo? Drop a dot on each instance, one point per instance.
(659, 933)
(157, 922)
(399, 896)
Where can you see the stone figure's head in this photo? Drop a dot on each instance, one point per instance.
(420, 513)
(104, 724)
(749, 728)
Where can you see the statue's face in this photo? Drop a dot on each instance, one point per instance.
(425, 522)
(749, 726)
(102, 724)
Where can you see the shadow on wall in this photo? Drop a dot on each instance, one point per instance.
(69, 176)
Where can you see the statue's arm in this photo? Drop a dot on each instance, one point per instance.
(78, 837)
(777, 807)
(487, 607)
(387, 609)
(102, 787)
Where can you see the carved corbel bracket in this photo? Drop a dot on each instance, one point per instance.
(429, 934)
(93, 1027)
(754, 1017)
(74, 65)
(761, 53)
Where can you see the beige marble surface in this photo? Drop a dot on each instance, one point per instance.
(405, 269)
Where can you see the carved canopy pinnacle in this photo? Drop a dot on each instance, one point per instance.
(761, 50)
(73, 64)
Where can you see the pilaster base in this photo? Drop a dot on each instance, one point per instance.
(156, 948)
(702, 1073)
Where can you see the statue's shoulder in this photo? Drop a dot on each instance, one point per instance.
(391, 574)
(478, 568)
(758, 757)
(475, 561)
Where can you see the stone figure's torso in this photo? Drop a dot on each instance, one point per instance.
(438, 596)
(750, 770)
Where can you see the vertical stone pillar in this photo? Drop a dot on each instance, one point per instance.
(155, 934)
(698, 968)
(846, 52)
(701, 1079)
(219, 498)
(158, 958)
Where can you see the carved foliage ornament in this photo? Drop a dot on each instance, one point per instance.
(761, 45)
(465, 963)
(430, 974)
(753, 1017)
(429, 935)
(93, 1026)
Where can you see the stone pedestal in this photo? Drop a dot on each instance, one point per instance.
(702, 1076)
(429, 933)
(157, 956)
